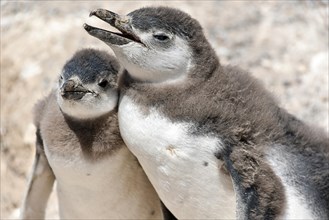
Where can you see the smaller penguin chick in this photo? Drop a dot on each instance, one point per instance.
(88, 85)
(78, 144)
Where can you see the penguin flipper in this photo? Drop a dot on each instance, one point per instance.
(167, 215)
(40, 185)
(259, 192)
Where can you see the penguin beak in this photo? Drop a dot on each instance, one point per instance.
(72, 90)
(122, 23)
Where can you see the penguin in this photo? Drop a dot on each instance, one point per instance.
(78, 144)
(212, 140)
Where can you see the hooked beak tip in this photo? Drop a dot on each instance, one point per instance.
(86, 26)
(92, 13)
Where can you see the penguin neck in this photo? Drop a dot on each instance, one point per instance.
(204, 66)
(88, 122)
(128, 80)
(205, 60)
(130, 85)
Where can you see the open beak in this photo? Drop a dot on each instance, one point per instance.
(121, 23)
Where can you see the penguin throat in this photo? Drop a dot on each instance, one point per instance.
(158, 80)
(150, 76)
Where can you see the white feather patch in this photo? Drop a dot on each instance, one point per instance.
(182, 167)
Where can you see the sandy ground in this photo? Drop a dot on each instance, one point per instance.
(284, 44)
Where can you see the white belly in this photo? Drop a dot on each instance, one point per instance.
(115, 187)
(182, 167)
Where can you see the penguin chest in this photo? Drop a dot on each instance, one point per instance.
(85, 189)
(181, 166)
(113, 187)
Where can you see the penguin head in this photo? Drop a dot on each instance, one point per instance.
(156, 44)
(87, 86)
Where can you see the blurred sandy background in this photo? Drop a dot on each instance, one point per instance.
(283, 43)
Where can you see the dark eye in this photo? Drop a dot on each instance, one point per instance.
(161, 37)
(103, 83)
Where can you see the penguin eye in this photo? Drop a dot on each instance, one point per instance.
(103, 83)
(161, 37)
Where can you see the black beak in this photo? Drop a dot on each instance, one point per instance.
(72, 90)
(121, 23)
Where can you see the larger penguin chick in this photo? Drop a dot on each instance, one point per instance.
(79, 145)
(188, 119)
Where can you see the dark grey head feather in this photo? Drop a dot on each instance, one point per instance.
(88, 64)
(169, 19)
